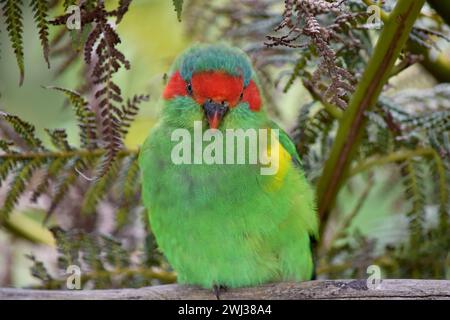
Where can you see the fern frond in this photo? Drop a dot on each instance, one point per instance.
(122, 9)
(441, 175)
(378, 138)
(92, 254)
(68, 244)
(413, 176)
(68, 3)
(18, 185)
(98, 188)
(301, 62)
(109, 61)
(438, 121)
(6, 167)
(52, 171)
(65, 182)
(40, 9)
(58, 138)
(132, 174)
(60, 168)
(5, 145)
(178, 5)
(311, 130)
(85, 117)
(129, 111)
(24, 129)
(38, 270)
(115, 255)
(14, 25)
(127, 188)
(104, 261)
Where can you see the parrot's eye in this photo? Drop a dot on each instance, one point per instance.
(189, 88)
(225, 104)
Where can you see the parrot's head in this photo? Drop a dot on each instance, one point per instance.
(214, 84)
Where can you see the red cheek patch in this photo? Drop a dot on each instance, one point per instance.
(252, 97)
(217, 86)
(175, 87)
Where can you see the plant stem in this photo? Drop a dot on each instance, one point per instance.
(63, 154)
(393, 157)
(391, 41)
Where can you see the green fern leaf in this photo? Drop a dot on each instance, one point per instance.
(413, 178)
(115, 254)
(40, 9)
(6, 167)
(66, 181)
(68, 244)
(178, 5)
(52, 172)
(13, 18)
(18, 185)
(24, 129)
(441, 175)
(58, 138)
(91, 254)
(5, 146)
(296, 73)
(68, 3)
(39, 271)
(98, 189)
(127, 188)
(85, 117)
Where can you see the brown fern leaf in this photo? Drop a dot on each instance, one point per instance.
(300, 18)
(122, 9)
(108, 61)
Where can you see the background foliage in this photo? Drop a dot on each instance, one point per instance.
(391, 207)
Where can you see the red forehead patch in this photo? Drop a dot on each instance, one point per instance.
(217, 86)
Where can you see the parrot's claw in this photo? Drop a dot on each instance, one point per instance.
(217, 289)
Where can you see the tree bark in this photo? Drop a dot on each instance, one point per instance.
(314, 290)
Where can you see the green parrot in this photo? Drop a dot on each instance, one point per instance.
(220, 224)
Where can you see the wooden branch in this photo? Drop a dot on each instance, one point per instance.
(315, 290)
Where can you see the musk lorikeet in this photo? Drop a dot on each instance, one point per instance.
(225, 224)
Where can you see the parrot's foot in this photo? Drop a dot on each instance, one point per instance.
(217, 289)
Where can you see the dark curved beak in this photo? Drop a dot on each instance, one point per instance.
(214, 113)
